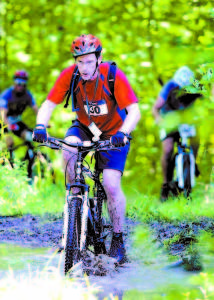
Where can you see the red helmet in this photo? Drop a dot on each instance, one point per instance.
(21, 74)
(85, 44)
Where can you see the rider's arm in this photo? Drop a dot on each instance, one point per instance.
(3, 115)
(162, 98)
(156, 108)
(35, 109)
(132, 118)
(4, 105)
(45, 112)
(126, 99)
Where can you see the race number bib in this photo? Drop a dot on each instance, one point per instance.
(98, 108)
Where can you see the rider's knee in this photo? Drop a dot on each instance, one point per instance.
(28, 136)
(168, 154)
(68, 154)
(168, 150)
(111, 189)
(73, 139)
(112, 182)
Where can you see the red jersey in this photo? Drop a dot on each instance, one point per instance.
(97, 107)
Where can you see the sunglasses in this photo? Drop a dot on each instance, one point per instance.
(20, 83)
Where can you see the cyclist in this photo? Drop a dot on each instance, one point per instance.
(172, 97)
(98, 117)
(13, 102)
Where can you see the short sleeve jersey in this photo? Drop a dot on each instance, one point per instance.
(100, 107)
(168, 87)
(16, 104)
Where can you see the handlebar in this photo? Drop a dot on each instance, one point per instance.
(57, 144)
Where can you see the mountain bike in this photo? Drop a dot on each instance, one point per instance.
(38, 163)
(84, 226)
(184, 166)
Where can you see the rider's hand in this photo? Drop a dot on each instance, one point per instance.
(119, 139)
(40, 133)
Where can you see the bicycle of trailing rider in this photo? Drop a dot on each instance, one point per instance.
(83, 225)
(185, 160)
(38, 162)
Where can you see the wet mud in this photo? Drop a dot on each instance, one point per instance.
(185, 235)
(32, 231)
(46, 232)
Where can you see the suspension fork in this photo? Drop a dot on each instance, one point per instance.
(84, 188)
(84, 221)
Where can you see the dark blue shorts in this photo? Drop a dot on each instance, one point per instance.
(104, 160)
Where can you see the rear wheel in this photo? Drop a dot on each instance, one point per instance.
(72, 233)
(187, 175)
(99, 238)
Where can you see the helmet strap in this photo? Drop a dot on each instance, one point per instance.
(95, 68)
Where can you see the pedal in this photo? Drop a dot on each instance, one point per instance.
(102, 237)
(107, 226)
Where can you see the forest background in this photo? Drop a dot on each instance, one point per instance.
(148, 40)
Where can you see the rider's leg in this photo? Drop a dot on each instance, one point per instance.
(76, 133)
(10, 143)
(167, 152)
(116, 207)
(26, 135)
(116, 198)
(69, 159)
(194, 141)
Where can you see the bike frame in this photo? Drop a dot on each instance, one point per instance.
(84, 188)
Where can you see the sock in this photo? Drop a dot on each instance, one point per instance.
(118, 236)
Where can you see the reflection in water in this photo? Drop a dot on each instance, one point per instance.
(19, 258)
(130, 282)
(111, 294)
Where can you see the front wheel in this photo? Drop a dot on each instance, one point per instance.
(72, 223)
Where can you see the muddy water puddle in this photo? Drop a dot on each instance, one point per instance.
(26, 262)
(29, 247)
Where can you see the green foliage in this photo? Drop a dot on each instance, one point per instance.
(145, 248)
(17, 197)
(149, 40)
(148, 207)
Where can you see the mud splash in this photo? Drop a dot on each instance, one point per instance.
(46, 232)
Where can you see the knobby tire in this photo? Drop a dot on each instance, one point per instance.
(187, 176)
(72, 243)
(99, 247)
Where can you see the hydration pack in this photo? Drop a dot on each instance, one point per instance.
(75, 79)
(178, 99)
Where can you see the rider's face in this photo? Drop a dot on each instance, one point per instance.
(19, 86)
(87, 65)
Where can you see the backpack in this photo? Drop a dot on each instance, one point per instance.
(75, 79)
(178, 100)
